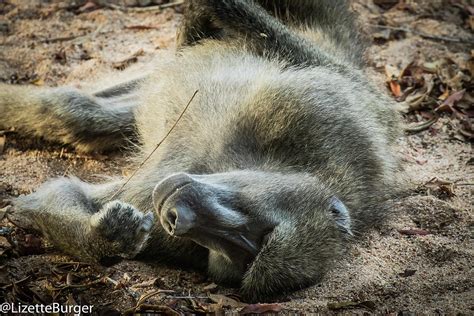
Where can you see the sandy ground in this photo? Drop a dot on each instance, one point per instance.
(420, 261)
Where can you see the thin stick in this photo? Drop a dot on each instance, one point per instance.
(421, 127)
(427, 36)
(158, 7)
(146, 296)
(157, 146)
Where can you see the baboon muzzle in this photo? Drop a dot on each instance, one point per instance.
(189, 207)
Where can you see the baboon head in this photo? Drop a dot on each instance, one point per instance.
(272, 231)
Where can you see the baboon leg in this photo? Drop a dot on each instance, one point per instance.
(240, 20)
(90, 122)
(271, 28)
(74, 217)
(333, 18)
(196, 25)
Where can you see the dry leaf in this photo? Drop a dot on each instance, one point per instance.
(449, 103)
(414, 100)
(3, 139)
(210, 287)
(4, 211)
(88, 6)
(38, 82)
(69, 279)
(395, 88)
(151, 282)
(382, 35)
(226, 301)
(431, 67)
(444, 96)
(4, 242)
(261, 308)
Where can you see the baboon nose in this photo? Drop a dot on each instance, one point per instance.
(167, 187)
(171, 204)
(177, 220)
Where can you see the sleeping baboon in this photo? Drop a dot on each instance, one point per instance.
(283, 156)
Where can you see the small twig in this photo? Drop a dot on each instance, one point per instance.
(60, 263)
(437, 181)
(158, 7)
(15, 283)
(421, 127)
(72, 37)
(67, 170)
(187, 297)
(132, 293)
(62, 38)
(427, 36)
(156, 147)
(144, 297)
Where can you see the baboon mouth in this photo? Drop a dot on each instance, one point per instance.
(244, 243)
(236, 245)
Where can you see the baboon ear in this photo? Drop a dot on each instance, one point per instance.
(341, 215)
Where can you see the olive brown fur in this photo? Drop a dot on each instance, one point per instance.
(285, 154)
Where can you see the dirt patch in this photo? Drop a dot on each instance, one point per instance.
(419, 261)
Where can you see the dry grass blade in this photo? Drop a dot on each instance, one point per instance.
(157, 146)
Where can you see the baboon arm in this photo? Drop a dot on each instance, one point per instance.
(72, 216)
(97, 122)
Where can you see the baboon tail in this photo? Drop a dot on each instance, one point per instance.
(90, 122)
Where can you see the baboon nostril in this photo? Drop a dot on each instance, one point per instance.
(178, 220)
(172, 217)
(168, 228)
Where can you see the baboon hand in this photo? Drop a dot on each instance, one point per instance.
(122, 227)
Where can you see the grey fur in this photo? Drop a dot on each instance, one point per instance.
(284, 155)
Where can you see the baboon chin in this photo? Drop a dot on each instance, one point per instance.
(282, 159)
